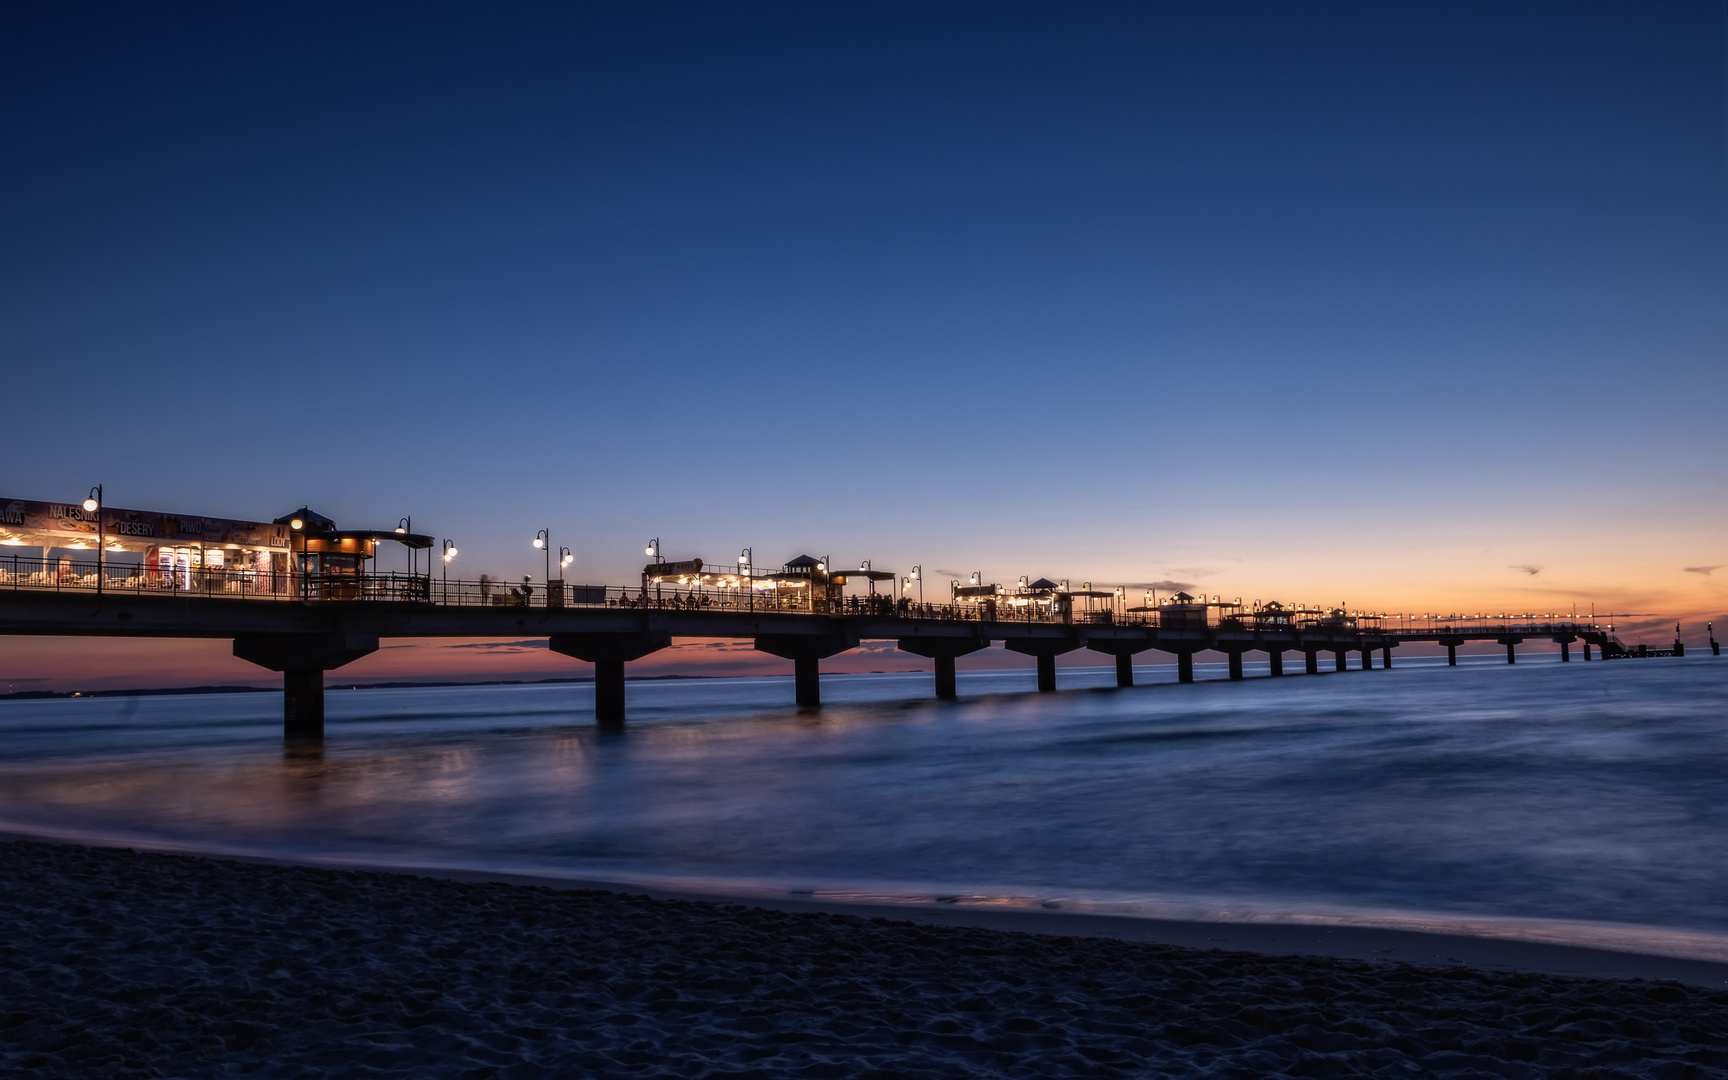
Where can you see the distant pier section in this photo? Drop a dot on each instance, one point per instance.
(301, 596)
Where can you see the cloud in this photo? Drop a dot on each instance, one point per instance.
(1705, 570)
(950, 573)
(1196, 571)
(501, 646)
(1527, 568)
(1161, 586)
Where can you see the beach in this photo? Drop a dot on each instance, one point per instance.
(120, 963)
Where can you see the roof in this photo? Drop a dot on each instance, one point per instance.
(407, 539)
(1044, 583)
(873, 575)
(804, 560)
(315, 522)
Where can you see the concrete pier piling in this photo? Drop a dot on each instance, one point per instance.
(1045, 650)
(1235, 664)
(1185, 667)
(1047, 674)
(1313, 661)
(1123, 651)
(1276, 658)
(806, 651)
(942, 651)
(303, 703)
(303, 659)
(609, 653)
(807, 679)
(1341, 660)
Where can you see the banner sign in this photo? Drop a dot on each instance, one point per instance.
(44, 524)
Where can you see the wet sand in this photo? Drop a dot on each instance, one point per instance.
(118, 963)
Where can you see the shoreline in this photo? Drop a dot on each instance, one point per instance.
(1267, 938)
(122, 964)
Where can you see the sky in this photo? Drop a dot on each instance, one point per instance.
(1415, 307)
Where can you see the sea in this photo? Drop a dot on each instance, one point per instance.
(1582, 802)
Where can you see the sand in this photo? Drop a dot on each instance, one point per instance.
(117, 963)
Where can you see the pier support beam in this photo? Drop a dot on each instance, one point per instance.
(609, 653)
(1313, 662)
(1451, 644)
(303, 703)
(1046, 674)
(1235, 664)
(1386, 657)
(1565, 642)
(1045, 650)
(1185, 667)
(1124, 652)
(303, 659)
(1586, 646)
(1368, 659)
(1341, 660)
(807, 681)
(1276, 657)
(943, 651)
(805, 651)
(1511, 644)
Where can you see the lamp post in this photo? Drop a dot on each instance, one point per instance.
(300, 527)
(918, 576)
(93, 504)
(745, 559)
(403, 528)
(449, 553)
(543, 541)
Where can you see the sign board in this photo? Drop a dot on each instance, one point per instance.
(46, 524)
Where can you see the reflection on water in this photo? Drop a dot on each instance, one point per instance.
(1578, 792)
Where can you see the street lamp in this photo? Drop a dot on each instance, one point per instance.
(653, 550)
(300, 527)
(449, 553)
(745, 558)
(543, 541)
(93, 505)
(565, 558)
(918, 576)
(403, 528)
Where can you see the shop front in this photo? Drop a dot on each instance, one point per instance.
(67, 545)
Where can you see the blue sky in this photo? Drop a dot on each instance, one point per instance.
(1329, 301)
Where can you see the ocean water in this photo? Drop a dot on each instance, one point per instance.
(1576, 802)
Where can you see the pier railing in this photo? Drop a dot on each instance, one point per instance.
(19, 572)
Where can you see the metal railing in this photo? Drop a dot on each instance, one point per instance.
(20, 572)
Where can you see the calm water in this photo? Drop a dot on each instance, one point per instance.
(1540, 800)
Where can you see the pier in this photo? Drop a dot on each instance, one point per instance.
(303, 626)
(300, 596)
